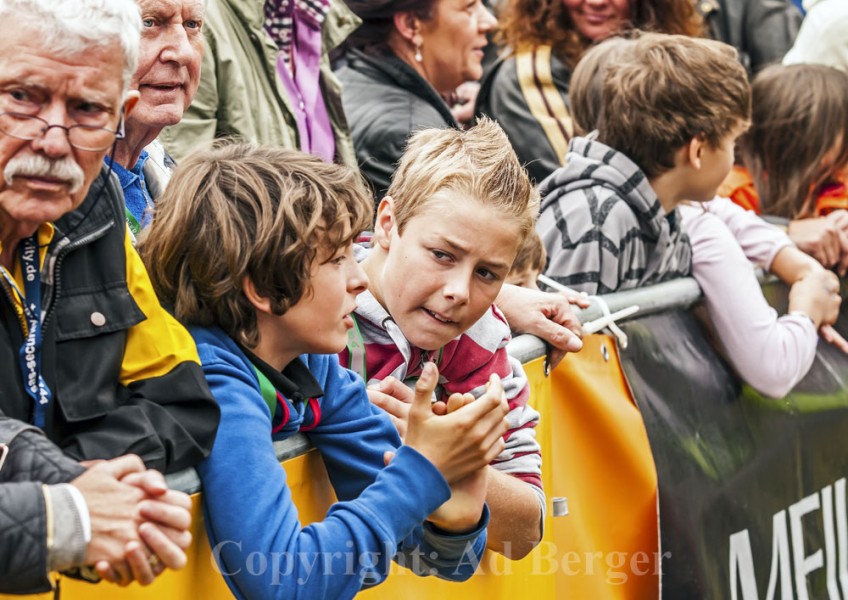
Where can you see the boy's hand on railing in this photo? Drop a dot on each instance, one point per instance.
(823, 238)
(817, 295)
(546, 315)
(461, 442)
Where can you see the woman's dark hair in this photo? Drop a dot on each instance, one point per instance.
(378, 20)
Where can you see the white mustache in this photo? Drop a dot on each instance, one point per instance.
(36, 165)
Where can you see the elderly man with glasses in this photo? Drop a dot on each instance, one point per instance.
(88, 354)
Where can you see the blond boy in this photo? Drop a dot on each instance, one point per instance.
(445, 239)
(672, 107)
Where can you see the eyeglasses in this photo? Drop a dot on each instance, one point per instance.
(83, 137)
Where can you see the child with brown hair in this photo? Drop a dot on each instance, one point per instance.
(803, 181)
(529, 263)
(445, 238)
(723, 239)
(252, 247)
(608, 218)
(586, 91)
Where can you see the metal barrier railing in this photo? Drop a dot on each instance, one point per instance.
(680, 293)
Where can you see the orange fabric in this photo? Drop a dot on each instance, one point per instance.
(606, 470)
(832, 197)
(595, 453)
(739, 187)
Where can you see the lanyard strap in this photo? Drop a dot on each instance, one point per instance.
(30, 352)
(133, 223)
(356, 350)
(266, 388)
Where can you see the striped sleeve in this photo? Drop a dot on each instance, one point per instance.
(466, 367)
(522, 456)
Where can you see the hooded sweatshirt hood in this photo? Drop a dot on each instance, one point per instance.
(603, 226)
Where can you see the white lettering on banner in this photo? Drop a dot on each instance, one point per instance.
(842, 534)
(829, 543)
(804, 565)
(830, 502)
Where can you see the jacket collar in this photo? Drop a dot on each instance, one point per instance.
(590, 163)
(96, 211)
(295, 382)
(385, 66)
(339, 23)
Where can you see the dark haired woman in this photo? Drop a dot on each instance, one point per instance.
(402, 61)
(527, 92)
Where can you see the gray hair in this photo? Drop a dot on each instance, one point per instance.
(70, 28)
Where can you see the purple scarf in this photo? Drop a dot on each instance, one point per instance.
(279, 20)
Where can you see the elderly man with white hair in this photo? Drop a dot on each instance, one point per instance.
(90, 357)
(166, 79)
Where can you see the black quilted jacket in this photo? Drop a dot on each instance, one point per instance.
(31, 461)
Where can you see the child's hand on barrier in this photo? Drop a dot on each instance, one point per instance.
(546, 315)
(831, 336)
(394, 397)
(817, 294)
(823, 238)
(463, 441)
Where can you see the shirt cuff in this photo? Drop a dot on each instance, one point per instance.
(450, 546)
(82, 510)
(68, 526)
(803, 316)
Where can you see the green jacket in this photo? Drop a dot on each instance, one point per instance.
(240, 92)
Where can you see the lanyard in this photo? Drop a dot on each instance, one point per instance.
(272, 398)
(266, 388)
(30, 352)
(356, 352)
(132, 222)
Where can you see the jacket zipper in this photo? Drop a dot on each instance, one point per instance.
(8, 295)
(54, 271)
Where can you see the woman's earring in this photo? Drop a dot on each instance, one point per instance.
(418, 57)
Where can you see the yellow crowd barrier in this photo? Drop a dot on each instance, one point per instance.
(595, 454)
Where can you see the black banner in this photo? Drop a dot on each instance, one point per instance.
(752, 490)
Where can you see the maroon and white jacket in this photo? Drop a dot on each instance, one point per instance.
(465, 363)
